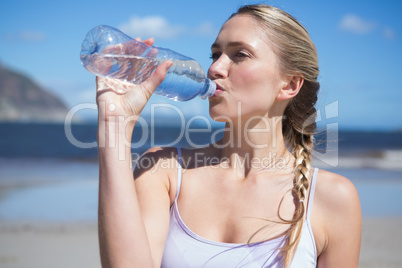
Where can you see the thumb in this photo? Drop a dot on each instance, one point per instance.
(156, 78)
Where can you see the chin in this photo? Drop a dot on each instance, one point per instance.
(220, 119)
(216, 113)
(219, 116)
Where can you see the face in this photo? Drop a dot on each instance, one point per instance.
(246, 71)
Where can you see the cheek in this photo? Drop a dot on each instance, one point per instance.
(256, 85)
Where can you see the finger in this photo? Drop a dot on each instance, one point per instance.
(103, 84)
(115, 85)
(98, 65)
(135, 47)
(114, 49)
(156, 78)
(149, 41)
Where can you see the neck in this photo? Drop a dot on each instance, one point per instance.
(255, 146)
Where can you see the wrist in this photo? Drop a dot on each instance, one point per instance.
(115, 134)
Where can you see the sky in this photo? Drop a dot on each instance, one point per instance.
(358, 43)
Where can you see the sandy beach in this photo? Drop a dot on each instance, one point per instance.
(381, 243)
(48, 219)
(63, 246)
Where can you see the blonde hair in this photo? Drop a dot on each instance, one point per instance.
(297, 56)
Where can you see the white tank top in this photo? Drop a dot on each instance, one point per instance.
(186, 249)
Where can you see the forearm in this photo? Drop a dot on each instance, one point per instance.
(122, 237)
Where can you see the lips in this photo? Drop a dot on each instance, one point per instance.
(218, 91)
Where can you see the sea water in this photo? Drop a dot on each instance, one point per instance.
(45, 177)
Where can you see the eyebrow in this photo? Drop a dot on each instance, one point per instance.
(230, 44)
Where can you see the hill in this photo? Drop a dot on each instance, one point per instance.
(21, 99)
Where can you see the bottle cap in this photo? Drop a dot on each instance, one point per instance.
(210, 88)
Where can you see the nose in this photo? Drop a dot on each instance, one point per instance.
(218, 69)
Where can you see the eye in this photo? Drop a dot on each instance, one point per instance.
(241, 54)
(214, 56)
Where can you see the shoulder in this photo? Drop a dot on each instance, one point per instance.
(337, 214)
(156, 171)
(156, 160)
(336, 192)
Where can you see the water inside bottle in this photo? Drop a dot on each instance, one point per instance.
(137, 69)
(184, 80)
(134, 69)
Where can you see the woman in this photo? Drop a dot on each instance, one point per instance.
(250, 200)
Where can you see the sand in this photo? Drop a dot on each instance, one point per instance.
(61, 246)
(76, 245)
(381, 243)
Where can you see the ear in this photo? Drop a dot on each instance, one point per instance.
(291, 88)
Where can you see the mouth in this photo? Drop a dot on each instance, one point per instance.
(218, 91)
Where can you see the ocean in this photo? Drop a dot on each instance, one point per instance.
(49, 172)
(78, 141)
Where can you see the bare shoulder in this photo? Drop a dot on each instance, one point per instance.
(156, 160)
(156, 171)
(336, 220)
(336, 192)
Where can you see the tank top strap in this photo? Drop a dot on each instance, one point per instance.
(179, 172)
(311, 195)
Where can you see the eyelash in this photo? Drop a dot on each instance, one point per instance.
(216, 55)
(242, 54)
(213, 56)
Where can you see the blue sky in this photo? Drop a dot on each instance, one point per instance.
(358, 42)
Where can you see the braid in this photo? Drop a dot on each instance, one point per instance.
(302, 154)
(302, 170)
(298, 128)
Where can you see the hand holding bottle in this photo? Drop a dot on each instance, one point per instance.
(117, 98)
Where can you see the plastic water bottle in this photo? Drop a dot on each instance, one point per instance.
(108, 52)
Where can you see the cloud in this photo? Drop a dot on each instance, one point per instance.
(160, 28)
(152, 26)
(205, 29)
(27, 36)
(354, 24)
(389, 33)
(31, 36)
